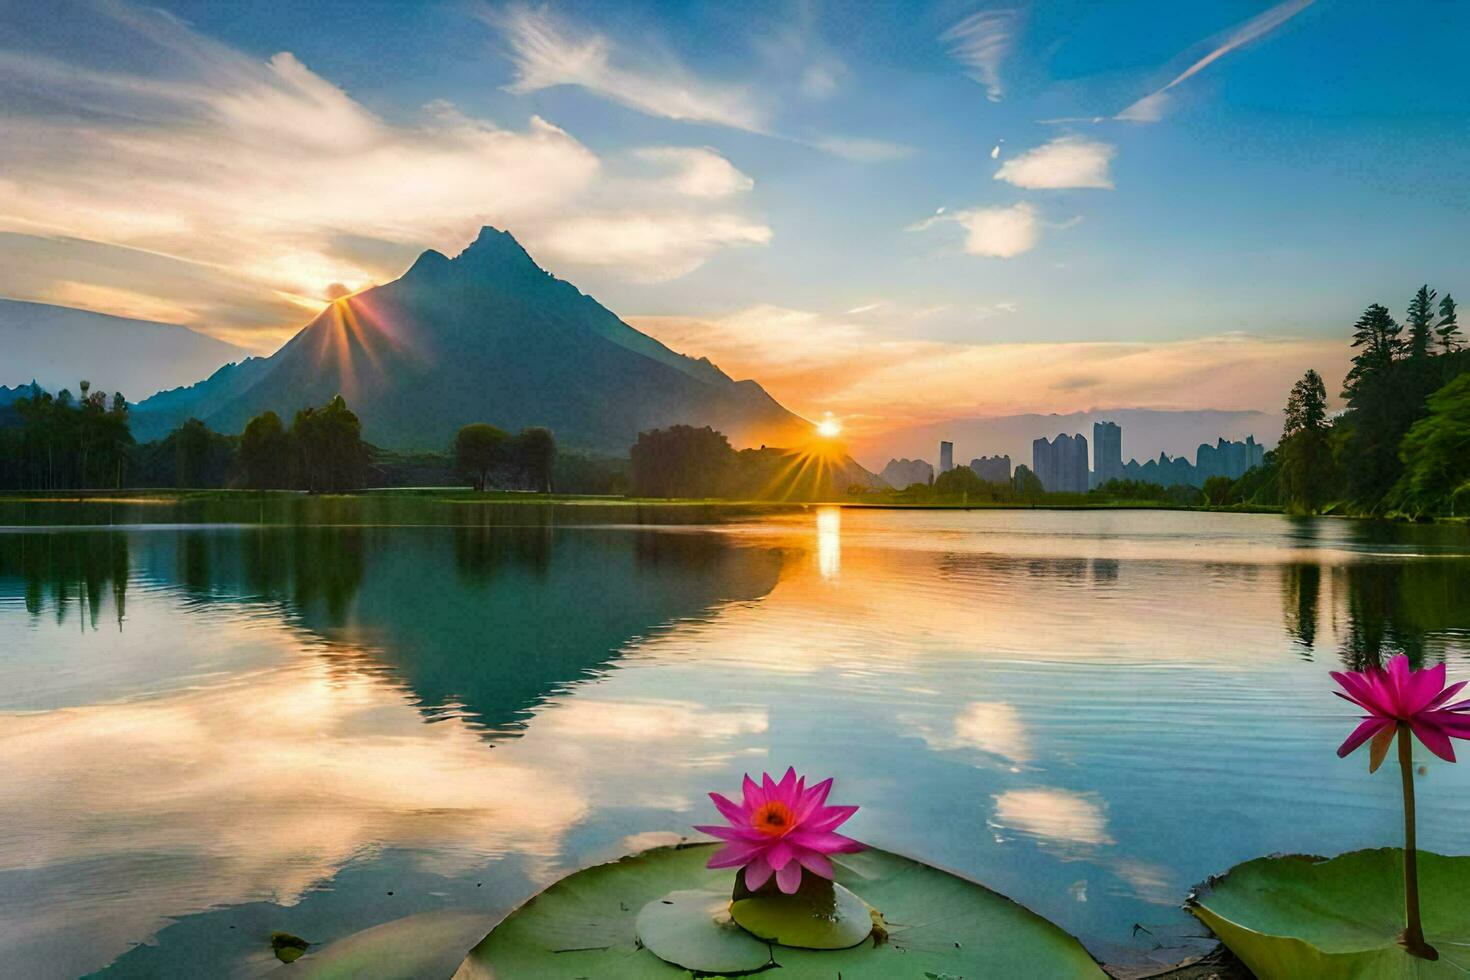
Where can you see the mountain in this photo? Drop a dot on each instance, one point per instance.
(488, 336)
(1146, 433)
(59, 346)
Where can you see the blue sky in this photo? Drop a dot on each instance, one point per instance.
(1140, 186)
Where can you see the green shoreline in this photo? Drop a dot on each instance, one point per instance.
(451, 496)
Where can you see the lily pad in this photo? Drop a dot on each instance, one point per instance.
(939, 923)
(821, 914)
(425, 945)
(1299, 916)
(693, 929)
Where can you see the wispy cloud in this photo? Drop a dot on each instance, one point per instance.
(548, 51)
(999, 233)
(862, 149)
(859, 366)
(1151, 107)
(1067, 161)
(982, 41)
(233, 192)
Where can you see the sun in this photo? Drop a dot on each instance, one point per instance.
(829, 427)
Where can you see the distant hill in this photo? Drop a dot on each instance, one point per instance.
(1146, 433)
(58, 346)
(486, 336)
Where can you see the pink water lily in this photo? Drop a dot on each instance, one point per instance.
(1401, 700)
(779, 829)
(1400, 695)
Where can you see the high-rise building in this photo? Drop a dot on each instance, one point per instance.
(992, 469)
(1107, 452)
(946, 457)
(1061, 463)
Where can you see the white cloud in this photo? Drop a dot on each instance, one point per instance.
(982, 41)
(1000, 233)
(1150, 108)
(548, 52)
(1067, 161)
(246, 177)
(652, 246)
(697, 171)
(862, 149)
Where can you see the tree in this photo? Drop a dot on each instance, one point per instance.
(1420, 319)
(1217, 490)
(536, 452)
(1305, 450)
(1436, 453)
(681, 461)
(963, 483)
(1028, 485)
(1378, 336)
(191, 453)
(1449, 325)
(478, 448)
(330, 449)
(265, 453)
(1306, 406)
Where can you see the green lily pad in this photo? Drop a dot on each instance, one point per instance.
(821, 914)
(429, 944)
(1299, 916)
(585, 926)
(693, 929)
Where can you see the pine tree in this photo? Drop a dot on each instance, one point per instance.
(1449, 326)
(1420, 319)
(1377, 334)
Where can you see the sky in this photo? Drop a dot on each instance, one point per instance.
(890, 212)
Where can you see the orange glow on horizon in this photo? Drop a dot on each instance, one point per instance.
(829, 428)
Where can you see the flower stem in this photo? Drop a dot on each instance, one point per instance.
(1412, 938)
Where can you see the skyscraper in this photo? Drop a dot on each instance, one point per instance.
(946, 457)
(1061, 463)
(1107, 452)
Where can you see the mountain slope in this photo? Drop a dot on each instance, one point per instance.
(59, 346)
(487, 336)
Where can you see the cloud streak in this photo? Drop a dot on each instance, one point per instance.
(867, 373)
(982, 41)
(549, 52)
(1151, 107)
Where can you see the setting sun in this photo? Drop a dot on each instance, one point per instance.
(829, 427)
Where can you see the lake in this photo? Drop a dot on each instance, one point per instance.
(212, 731)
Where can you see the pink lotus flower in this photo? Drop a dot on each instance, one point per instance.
(1399, 695)
(780, 828)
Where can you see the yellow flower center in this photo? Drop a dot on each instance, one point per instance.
(772, 819)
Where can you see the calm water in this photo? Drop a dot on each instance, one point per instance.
(211, 732)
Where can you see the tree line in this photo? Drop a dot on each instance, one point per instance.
(63, 442)
(1401, 446)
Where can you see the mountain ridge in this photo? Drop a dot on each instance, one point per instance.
(485, 336)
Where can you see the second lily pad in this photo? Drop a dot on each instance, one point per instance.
(821, 914)
(693, 929)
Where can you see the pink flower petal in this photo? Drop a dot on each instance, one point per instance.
(815, 862)
(736, 853)
(825, 843)
(1434, 739)
(1360, 691)
(732, 833)
(813, 799)
(1422, 688)
(1366, 730)
(757, 873)
(786, 789)
(1444, 696)
(780, 854)
(829, 818)
(754, 797)
(732, 812)
(788, 879)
